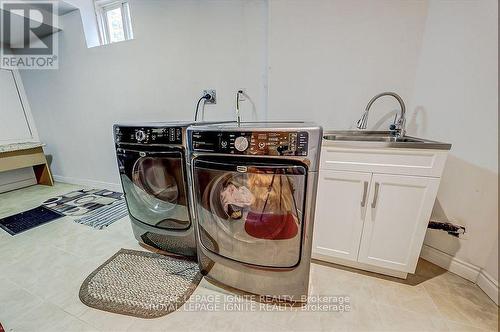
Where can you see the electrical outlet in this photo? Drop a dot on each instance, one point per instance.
(213, 96)
(243, 95)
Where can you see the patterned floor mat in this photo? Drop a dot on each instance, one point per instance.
(95, 207)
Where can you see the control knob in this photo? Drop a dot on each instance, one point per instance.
(241, 143)
(140, 135)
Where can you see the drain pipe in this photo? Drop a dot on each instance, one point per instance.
(448, 227)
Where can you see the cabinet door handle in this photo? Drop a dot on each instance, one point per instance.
(375, 195)
(365, 191)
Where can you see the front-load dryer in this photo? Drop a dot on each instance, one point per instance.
(152, 165)
(254, 189)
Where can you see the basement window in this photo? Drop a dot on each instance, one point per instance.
(113, 18)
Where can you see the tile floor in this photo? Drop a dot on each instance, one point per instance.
(41, 271)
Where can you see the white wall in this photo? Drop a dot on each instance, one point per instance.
(180, 48)
(456, 100)
(327, 58)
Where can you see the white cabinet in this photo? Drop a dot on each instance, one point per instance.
(396, 220)
(16, 126)
(15, 118)
(368, 219)
(341, 205)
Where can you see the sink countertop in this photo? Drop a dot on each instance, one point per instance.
(19, 146)
(377, 140)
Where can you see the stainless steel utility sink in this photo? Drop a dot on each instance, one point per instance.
(380, 139)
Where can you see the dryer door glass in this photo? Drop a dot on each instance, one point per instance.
(251, 212)
(155, 187)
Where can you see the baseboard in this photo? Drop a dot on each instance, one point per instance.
(466, 270)
(488, 284)
(89, 183)
(450, 263)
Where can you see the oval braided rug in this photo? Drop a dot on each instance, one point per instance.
(140, 284)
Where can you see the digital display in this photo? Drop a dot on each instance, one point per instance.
(148, 135)
(252, 143)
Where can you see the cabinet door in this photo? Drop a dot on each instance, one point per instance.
(13, 120)
(340, 209)
(396, 220)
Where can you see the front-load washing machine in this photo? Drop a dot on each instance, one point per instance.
(254, 190)
(152, 164)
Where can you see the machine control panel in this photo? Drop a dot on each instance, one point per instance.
(252, 143)
(148, 135)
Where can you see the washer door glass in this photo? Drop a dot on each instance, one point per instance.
(155, 188)
(250, 212)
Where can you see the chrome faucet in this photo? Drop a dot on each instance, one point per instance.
(398, 127)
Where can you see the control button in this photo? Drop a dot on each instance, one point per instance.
(262, 145)
(282, 149)
(241, 143)
(223, 144)
(140, 135)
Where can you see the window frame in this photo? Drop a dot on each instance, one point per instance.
(101, 9)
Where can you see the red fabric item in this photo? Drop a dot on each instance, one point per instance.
(270, 226)
(1, 328)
